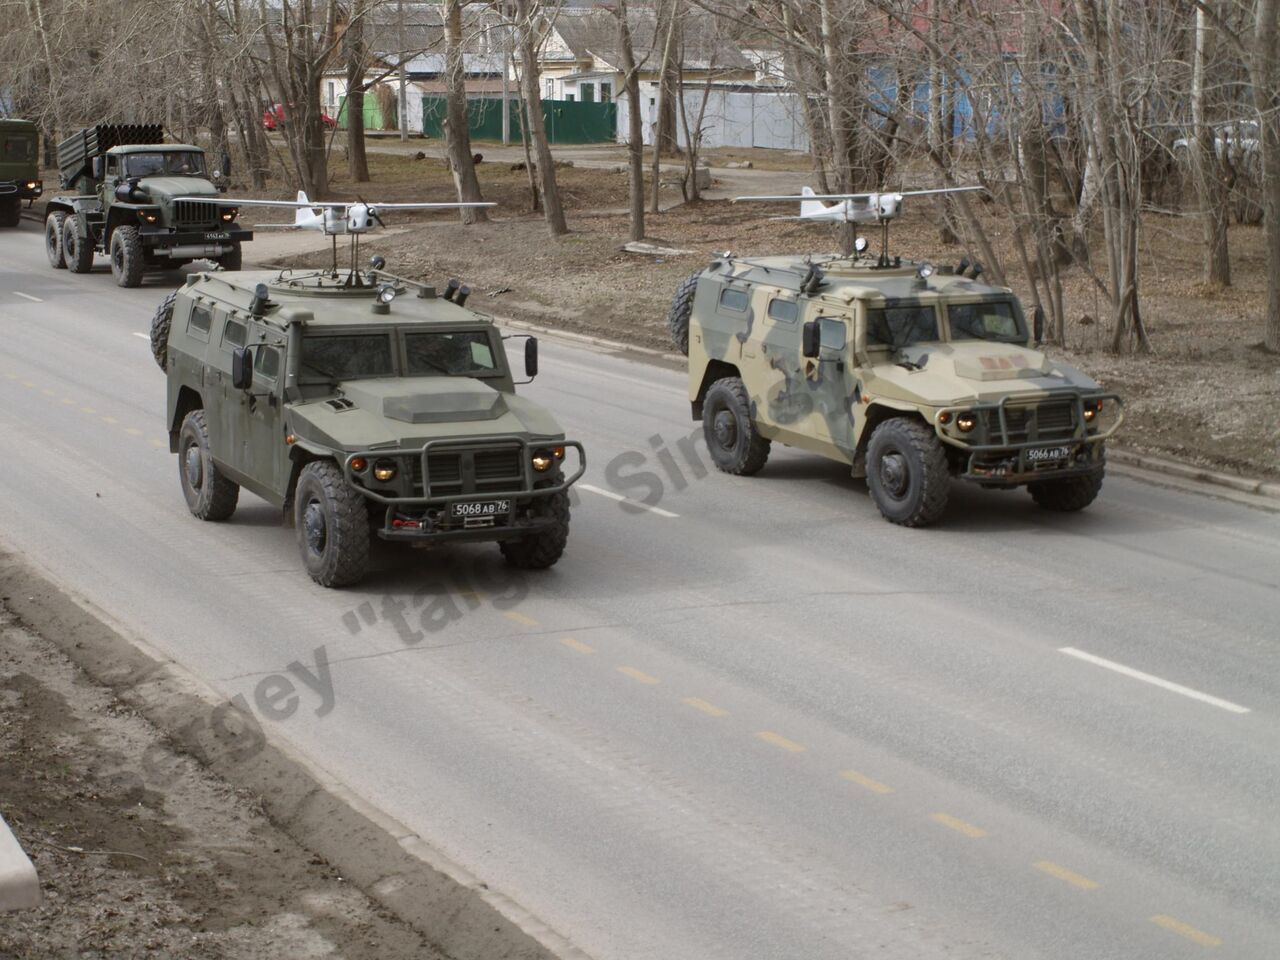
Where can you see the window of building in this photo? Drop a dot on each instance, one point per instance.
(587, 91)
(606, 92)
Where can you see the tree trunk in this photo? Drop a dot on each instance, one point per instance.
(353, 41)
(834, 58)
(553, 209)
(664, 139)
(457, 136)
(635, 128)
(1206, 165)
(1265, 70)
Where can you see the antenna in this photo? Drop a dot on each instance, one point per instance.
(869, 207)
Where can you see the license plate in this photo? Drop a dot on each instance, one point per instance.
(480, 508)
(1045, 454)
(220, 235)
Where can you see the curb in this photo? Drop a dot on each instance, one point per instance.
(453, 909)
(1269, 489)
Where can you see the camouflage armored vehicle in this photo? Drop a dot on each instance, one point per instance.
(146, 204)
(911, 376)
(362, 406)
(19, 168)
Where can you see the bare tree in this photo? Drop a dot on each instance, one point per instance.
(456, 132)
(529, 28)
(635, 130)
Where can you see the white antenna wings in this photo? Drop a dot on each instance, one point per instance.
(868, 207)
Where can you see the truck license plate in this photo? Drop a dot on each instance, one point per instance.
(480, 508)
(1045, 454)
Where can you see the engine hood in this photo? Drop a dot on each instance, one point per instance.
(409, 411)
(949, 373)
(165, 188)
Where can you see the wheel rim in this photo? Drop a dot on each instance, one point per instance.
(724, 426)
(193, 465)
(51, 241)
(117, 257)
(314, 527)
(895, 476)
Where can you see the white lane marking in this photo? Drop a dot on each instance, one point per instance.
(144, 336)
(1155, 681)
(627, 500)
(27, 296)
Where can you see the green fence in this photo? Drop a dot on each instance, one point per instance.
(567, 121)
(372, 113)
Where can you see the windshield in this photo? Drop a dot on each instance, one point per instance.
(179, 163)
(346, 357)
(466, 354)
(19, 148)
(996, 321)
(902, 326)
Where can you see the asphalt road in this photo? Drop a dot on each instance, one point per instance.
(756, 722)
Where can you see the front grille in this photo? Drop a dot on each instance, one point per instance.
(492, 470)
(1046, 421)
(195, 213)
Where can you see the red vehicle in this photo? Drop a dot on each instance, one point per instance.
(273, 117)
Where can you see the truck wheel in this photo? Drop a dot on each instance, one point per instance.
(681, 309)
(53, 239)
(732, 439)
(542, 549)
(76, 250)
(160, 324)
(231, 260)
(1069, 495)
(10, 211)
(210, 495)
(907, 472)
(333, 525)
(126, 256)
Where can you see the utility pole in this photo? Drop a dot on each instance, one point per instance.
(506, 72)
(403, 109)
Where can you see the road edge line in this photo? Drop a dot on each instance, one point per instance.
(453, 909)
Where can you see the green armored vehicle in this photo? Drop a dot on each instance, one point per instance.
(146, 204)
(19, 168)
(909, 375)
(363, 406)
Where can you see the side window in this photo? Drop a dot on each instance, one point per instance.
(266, 363)
(734, 299)
(234, 334)
(784, 311)
(199, 322)
(833, 332)
(113, 166)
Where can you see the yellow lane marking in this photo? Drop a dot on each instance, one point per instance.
(968, 829)
(48, 393)
(521, 619)
(68, 401)
(875, 786)
(578, 645)
(638, 675)
(11, 376)
(1186, 930)
(111, 420)
(28, 383)
(768, 736)
(88, 410)
(710, 709)
(1062, 873)
(134, 431)
(159, 444)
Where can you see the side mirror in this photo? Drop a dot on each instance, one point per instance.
(99, 167)
(531, 357)
(226, 165)
(1037, 324)
(811, 339)
(242, 368)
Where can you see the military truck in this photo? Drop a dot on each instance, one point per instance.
(911, 376)
(19, 168)
(140, 201)
(363, 406)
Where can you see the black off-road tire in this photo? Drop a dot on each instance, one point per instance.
(541, 550)
(731, 435)
(232, 259)
(10, 211)
(1069, 495)
(332, 523)
(160, 324)
(907, 472)
(77, 252)
(210, 495)
(127, 256)
(53, 239)
(681, 309)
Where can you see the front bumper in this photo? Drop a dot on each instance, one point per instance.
(998, 458)
(25, 189)
(165, 238)
(417, 504)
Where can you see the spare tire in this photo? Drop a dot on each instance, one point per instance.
(681, 308)
(160, 324)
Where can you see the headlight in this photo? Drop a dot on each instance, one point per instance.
(386, 293)
(229, 214)
(1091, 409)
(925, 270)
(966, 422)
(542, 460)
(148, 216)
(384, 470)
(32, 184)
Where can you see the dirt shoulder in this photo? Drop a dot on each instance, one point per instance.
(141, 851)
